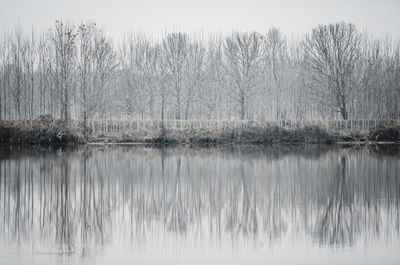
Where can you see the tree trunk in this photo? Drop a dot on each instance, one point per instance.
(32, 98)
(242, 109)
(1, 83)
(242, 105)
(178, 105)
(343, 109)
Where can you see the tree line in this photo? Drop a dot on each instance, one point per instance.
(75, 71)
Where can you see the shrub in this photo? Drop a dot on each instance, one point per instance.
(41, 132)
(383, 133)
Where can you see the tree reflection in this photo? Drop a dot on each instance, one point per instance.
(334, 226)
(79, 199)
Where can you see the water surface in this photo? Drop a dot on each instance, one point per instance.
(305, 204)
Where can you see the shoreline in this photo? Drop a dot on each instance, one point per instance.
(74, 133)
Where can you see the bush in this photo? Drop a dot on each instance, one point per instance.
(382, 133)
(41, 132)
(45, 118)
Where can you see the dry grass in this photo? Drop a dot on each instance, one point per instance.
(41, 132)
(249, 134)
(61, 132)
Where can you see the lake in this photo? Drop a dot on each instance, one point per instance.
(124, 204)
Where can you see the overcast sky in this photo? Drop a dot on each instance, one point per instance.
(293, 17)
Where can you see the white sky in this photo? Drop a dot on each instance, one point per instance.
(293, 17)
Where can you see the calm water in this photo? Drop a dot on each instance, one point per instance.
(181, 205)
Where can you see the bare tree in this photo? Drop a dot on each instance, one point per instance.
(196, 70)
(5, 79)
(96, 62)
(105, 65)
(276, 55)
(29, 62)
(84, 62)
(158, 68)
(144, 62)
(17, 54)
(43, 74)
(2, 77)
(332, 52)
(210, 95)
(176, 51)
(333, 72)
(63, 42)
(243, 56)
(132, 86)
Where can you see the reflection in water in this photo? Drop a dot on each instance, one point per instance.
(80, 199)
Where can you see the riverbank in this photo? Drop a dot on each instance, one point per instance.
(73, 132)
(42, 132)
